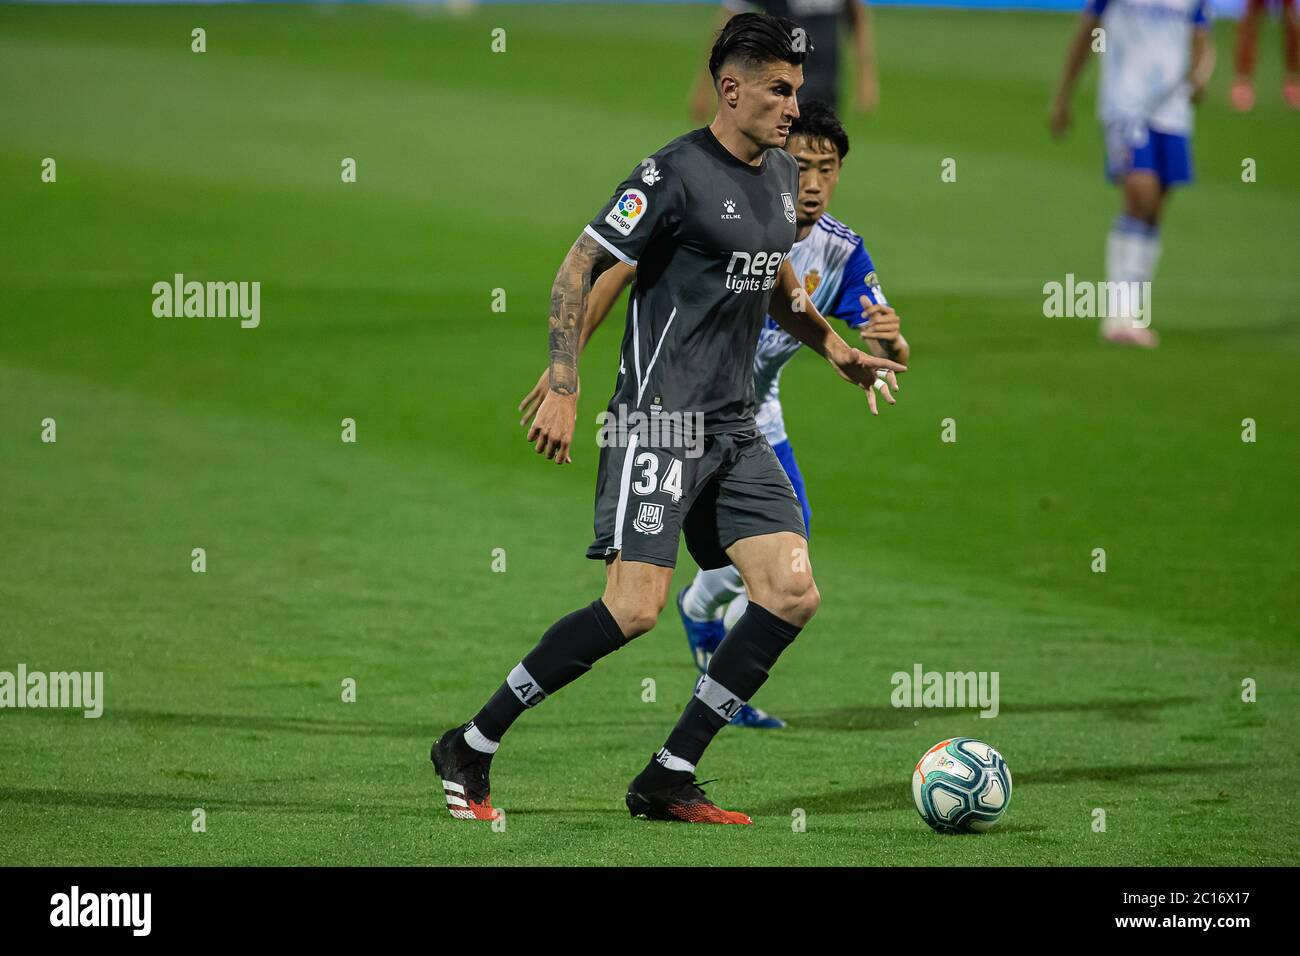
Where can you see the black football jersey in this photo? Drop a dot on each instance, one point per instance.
(707, 233)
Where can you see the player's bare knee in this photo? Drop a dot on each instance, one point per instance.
(641, 620)
(1143, 205)
(635, 595)
(807, 603)
(795, 599)
(635, 613)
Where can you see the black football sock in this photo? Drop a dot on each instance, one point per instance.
(566, 651)
(738, 669)
(658, 776)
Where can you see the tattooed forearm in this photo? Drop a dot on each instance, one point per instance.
(586, 260)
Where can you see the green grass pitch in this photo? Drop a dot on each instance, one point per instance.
(373, 561)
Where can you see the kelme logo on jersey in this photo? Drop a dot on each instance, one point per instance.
(627, 212)
(753, 273)
(787, 201)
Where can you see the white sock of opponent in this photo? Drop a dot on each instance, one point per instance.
(710, 592)
(735, 610)
(1132, 252)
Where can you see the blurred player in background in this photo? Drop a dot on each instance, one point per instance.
(1243, 84)
(822, 20)
(836, 271)
(1156, 61)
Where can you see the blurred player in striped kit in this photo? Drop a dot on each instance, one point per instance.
(1156, 60)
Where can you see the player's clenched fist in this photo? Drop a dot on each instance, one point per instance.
(882, 322)
(882, 334)
(552, 431)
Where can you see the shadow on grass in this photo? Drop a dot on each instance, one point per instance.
(210, 801)
(183, 803)
(835, 719)
(251, 723)
(895, 718)
(898, 795)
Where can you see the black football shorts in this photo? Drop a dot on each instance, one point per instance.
(646, 497)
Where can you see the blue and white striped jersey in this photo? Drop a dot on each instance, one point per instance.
(836, 269)
(1144, 67)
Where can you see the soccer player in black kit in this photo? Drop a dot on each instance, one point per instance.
(708, 221)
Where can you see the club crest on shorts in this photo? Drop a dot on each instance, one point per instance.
(788, 202)
(649, 518)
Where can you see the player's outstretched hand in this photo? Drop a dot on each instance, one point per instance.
(533, 400)
(552, 431)
(869, 373)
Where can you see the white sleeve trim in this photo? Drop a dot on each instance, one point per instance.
(610, 246)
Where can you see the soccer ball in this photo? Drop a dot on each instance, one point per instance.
(961, 785)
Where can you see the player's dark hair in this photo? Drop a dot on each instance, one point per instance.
(817, 121)
(755, 38)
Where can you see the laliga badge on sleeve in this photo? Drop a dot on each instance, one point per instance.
(627, 211)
